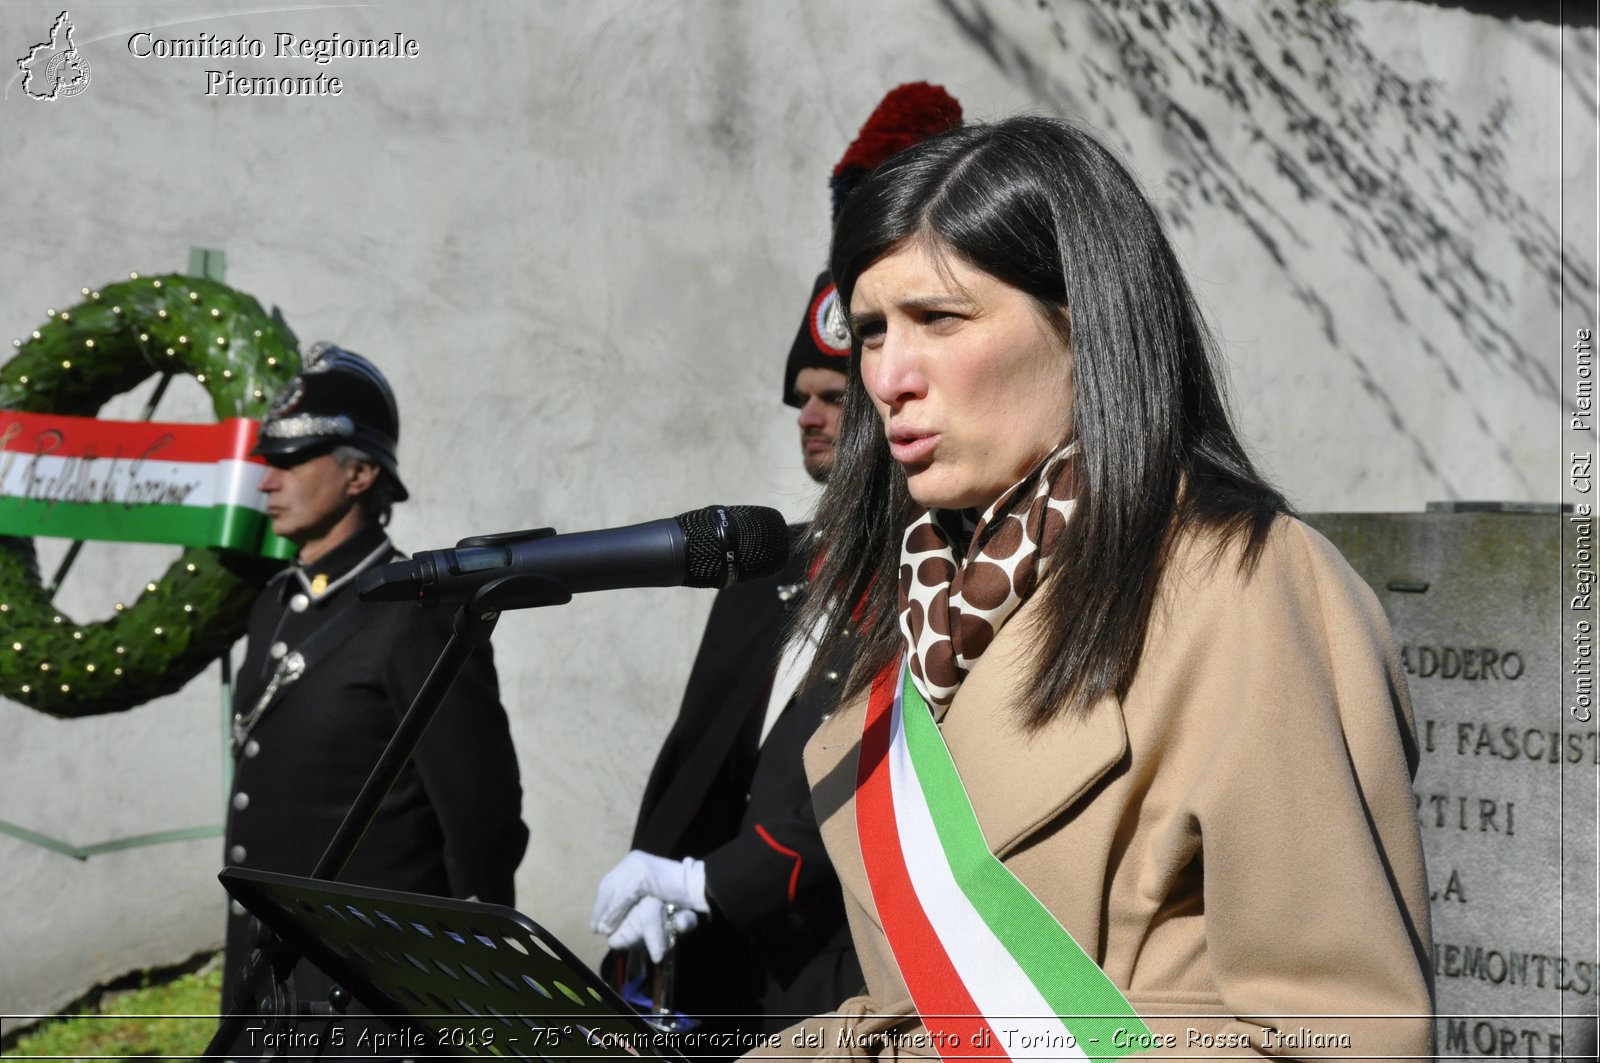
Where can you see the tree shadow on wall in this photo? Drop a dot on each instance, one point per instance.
(1416, 193)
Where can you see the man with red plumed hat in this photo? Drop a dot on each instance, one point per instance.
(728, 881)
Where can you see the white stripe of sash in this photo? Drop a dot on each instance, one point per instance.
(1023, 1023)
(238, 483)
(226, 482)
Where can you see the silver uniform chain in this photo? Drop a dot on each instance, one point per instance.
(290, 668)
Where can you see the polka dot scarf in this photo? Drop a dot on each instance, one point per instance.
(951, 604)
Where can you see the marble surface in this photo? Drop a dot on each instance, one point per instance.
(1506, 781)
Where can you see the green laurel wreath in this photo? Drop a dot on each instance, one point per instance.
(72, 364)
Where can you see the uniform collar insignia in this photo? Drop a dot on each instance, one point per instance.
(343, 563)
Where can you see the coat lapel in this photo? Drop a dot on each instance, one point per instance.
(1020, 780)
(832, 759)
(730, 680)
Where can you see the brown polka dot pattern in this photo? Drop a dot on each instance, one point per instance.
(952, 602)
(985, 584)
(1007, 539)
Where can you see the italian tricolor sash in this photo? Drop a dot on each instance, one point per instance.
(134, 481)
(991, 971)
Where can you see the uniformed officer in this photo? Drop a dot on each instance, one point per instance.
(726, 833)
(727, 855)
(326, 678)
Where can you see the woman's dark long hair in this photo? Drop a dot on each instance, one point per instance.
(1045, 208)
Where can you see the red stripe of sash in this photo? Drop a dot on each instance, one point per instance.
(76, 437)
(946, 1008)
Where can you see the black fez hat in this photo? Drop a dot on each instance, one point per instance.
(823, 341)
(337, 399)
(908, 114)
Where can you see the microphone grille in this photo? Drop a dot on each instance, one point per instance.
(758, 536)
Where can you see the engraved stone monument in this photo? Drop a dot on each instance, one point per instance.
(1506, 788)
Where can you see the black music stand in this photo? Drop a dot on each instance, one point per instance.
(453, 977)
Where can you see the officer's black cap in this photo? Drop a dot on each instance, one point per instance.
(337, 399)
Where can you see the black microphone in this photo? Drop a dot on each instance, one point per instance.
(712, 547)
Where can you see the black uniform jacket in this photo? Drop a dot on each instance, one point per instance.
(777, 941)
(452, 824)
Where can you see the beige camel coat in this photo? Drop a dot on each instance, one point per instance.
(1235, 842)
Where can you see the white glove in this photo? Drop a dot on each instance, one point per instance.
(645, 922)
(640, 875)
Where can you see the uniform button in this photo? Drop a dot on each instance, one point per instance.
(844, 632)
(278, 649)
(832, 677)
(241, 801)
(299, 602)
(236, 908)
(252, 747)
(236, 854)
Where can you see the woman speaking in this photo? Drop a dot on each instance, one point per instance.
(1125, 763)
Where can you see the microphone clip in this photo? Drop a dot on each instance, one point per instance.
(505, 538)
(525, 590)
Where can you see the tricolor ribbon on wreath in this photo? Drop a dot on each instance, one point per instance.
(134, 481)
(992, 972)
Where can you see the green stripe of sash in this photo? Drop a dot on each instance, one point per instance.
(1068, 979)
(228, 527)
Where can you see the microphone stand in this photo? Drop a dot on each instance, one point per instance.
(474, 624)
